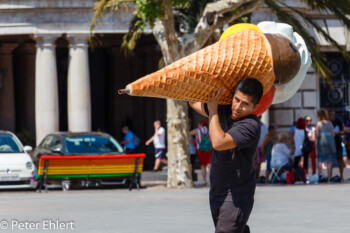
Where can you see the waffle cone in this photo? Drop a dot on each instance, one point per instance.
(223, 64)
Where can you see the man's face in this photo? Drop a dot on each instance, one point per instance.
(156, 125)
(242, 105)
(308, 121)
(331, 116)
(125, 130)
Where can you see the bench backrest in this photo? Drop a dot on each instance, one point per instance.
(96, 166)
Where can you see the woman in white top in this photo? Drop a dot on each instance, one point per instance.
(281, 154)
(297, 140)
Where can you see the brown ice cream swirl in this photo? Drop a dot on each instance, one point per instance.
(286, 58)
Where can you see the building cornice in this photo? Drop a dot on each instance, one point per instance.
(58, 17)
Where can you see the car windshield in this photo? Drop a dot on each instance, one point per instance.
(92, 144)
(9, 144)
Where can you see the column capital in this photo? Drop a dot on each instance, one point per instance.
(78, 40)
(7, 48)
(46, 40)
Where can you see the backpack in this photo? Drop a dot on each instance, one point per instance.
(205, 144)
(136, 141)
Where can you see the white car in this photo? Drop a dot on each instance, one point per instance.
(17, 169)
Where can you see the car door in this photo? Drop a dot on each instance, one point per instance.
(43, 148)
(55, 145)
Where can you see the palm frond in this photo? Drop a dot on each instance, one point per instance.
(105, 6)
(136, 26)
(339, 8)
(318, 58)
(342, 6)
(326, 35)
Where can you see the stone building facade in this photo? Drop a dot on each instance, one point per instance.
(52, 80)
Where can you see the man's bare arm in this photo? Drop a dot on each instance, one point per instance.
(149, 141)
(220, 140)
(198, 107)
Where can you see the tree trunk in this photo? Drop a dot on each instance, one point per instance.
(179, 165)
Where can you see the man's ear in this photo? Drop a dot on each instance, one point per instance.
(255, 107)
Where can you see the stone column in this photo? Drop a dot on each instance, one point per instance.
(7, 94)
(265, 118)
(79, 99)
(46, 87)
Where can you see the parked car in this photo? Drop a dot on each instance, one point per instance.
(17, 169)
(70, 144)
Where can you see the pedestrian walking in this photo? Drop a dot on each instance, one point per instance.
(158, 140)
(235, 134)
(203, 143)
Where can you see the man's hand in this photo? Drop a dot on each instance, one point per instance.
(156, 128)
(220, 140)
(213, 100)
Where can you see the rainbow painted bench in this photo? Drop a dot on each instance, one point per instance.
(126, 167)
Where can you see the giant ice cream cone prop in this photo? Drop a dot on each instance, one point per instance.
(242, 52)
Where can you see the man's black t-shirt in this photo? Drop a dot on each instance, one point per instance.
(232, 174)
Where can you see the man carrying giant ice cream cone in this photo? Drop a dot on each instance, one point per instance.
(235, 133)
(250, 68)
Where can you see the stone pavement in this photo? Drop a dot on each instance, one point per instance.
(322, 208)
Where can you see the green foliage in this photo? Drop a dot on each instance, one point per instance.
(179, 2)
(149, 10)
(137, 25)
(105, 6)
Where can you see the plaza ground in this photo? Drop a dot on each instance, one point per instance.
(278, 208)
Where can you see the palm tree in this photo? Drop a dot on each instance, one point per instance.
(182, 27)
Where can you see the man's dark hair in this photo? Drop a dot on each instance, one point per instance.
(251, 87)
(271, 127)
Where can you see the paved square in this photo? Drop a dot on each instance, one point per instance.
(287, 209)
